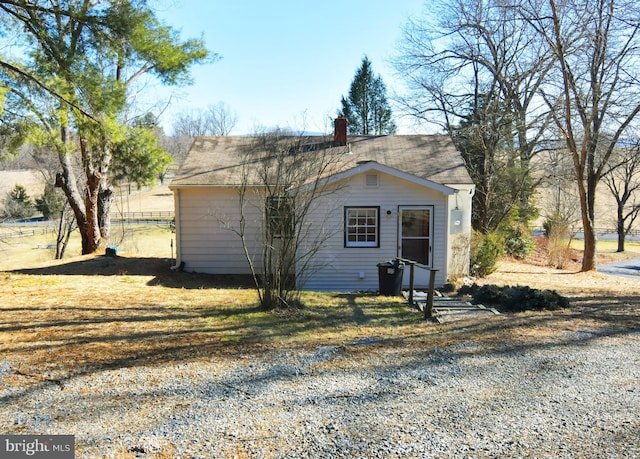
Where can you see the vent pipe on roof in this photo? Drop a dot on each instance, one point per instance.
(340, 132)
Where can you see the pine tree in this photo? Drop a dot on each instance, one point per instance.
(366, 109)
(18, 204)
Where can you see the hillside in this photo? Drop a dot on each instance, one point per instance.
(30, 179)
(156, 198)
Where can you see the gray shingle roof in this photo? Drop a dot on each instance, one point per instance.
(217, 161)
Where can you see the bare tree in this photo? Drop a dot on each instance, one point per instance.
(220, 120)
(478, 59)
(177, 147)
(580, 59)
(216, 120)
(623, 180)
(284, 177)
(596, 46)
(189, 124)
(560, 201)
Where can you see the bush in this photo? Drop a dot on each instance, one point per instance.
(555, 220)
(486, 250)
(518, 242)
(516, 299)
(557, 230)
(529, 299)
(50, 203)
(490, 294)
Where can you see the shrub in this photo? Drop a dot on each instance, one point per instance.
(528, 299)
(490, 294)
(518, 242)
(516, 299)
(557, 230)
(50, 203)
(554, 220)
(486, 250)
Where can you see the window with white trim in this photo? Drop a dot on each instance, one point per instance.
(362, 226)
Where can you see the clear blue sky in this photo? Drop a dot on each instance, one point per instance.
(283, 62)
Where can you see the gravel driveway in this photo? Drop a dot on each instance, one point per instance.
(576, 395)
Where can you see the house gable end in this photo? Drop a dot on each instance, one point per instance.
(366, 167)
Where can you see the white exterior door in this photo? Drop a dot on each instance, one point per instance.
(415, 241)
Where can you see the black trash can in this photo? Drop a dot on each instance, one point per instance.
(390, 277)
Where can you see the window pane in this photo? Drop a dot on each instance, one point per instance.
(362, 227)
(415, 223)
(418, 248)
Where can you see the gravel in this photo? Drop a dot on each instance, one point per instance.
(574, 396)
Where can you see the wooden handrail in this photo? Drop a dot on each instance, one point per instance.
(428, 309)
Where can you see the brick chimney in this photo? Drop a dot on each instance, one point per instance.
(340, 132)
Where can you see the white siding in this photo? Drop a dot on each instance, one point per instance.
(459, 238)
(206, 242)
(353, 269)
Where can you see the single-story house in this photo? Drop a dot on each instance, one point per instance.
(395, 196)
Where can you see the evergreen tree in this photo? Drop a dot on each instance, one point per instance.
(50, 203)
(18, 204)
(366, 109)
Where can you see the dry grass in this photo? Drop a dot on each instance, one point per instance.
(32, 251)
(157, 198)
(30, 179)
(90, 313)
(99, 312)
(138, 240)
(536, 271)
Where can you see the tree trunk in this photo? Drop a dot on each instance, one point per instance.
(621, 239)
(105, 201)
(83, 217)
(60, 238)
(65, 228)
(589, 255)
(84, 210)
(93, 236)
(588, 225)
(620, 228)
(67, 182)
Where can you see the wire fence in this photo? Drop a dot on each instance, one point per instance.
(161, 216)
(36, 227)
(24, 232)
(599, 231)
